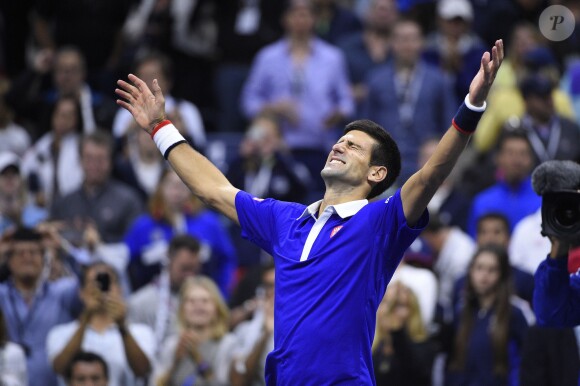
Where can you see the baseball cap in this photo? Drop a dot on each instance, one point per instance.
(9, 159)
(535, 84)
(450, 9)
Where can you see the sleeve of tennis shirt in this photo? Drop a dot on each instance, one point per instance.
(258, 219)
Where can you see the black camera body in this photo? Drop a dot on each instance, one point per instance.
(103, 281)
(558, 182)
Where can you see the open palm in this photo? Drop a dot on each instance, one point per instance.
(484, 78)
(146, 106)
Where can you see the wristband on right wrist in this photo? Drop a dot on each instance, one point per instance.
(166, 137)
(467, 117)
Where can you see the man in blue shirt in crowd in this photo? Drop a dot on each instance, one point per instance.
(335, 257)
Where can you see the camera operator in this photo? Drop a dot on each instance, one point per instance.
(102, 328)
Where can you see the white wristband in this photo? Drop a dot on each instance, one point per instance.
(471, 107)
(166, 137)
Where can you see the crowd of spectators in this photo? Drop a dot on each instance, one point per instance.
(111, 270)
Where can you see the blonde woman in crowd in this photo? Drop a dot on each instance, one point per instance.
(200, 353)
(403, 354)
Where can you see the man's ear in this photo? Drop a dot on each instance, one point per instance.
(377, 174)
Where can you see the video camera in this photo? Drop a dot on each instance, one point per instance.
(558, 182)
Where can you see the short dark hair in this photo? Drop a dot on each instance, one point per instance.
(183, 242)
(84, 356)
(509, 133)
(25, 234)
(493, 216)
(100, 138)
(385, 152)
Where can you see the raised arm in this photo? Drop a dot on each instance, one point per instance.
(203, 178)
(420, 188)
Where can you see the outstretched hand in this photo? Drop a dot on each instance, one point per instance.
(484, 78)
(147, 106)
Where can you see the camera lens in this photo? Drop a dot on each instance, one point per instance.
(567, 214)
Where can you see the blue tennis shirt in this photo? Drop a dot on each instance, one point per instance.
(331, 275)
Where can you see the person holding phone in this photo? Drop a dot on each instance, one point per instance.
(102, 328)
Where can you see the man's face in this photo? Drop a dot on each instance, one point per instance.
(349, 159)
(150, 70)
(515, 160)
(299, 21)
(493, 231)
(184, 263)
(96, 162)
(407, 42)
(88, 374)
(26, 260)
(540, 107)
(382, 14)
(69, 74)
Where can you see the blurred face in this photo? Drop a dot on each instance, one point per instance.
(174, 191)
(26, 260)
(199, 310)
(524, 41)
(264, 137)
(492, 231)
(454, 28)
(145, 144)
(407, 42)
(299, 21)
(485, 273)
(152, 70)
(10, 181)
(96, 162)
(425, 152)
(515, 160)
(64, 118)
(382, 14)
(184, 263)
(540, 107)
(68, 73)
(349, 159)
(88, 374)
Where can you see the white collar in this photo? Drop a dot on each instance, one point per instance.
(344, 210)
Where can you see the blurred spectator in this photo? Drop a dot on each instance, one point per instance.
(156, 303)
(483, 354)
(528, 248)
(54, 75)
(400, 88)
(15, 208)
(454, 47)
(452, 249)
(32, 305)
(94, 218)
(200, 353)
(183, 114)
(140, 165)
(13, 364)
(255, 337)
(333, 20)
(552, 136)
(111, 206)
(264, 167)
(449, 202)
(102, 328)
(512, 194)
(94, 26)
(53, 162)
(370, 48)
(187, 32)
(507, 102)
(303, 80)
(173, 210)
(244, 27)
(13, 137)
(493, 229)
(403, 354)
(87, 367)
